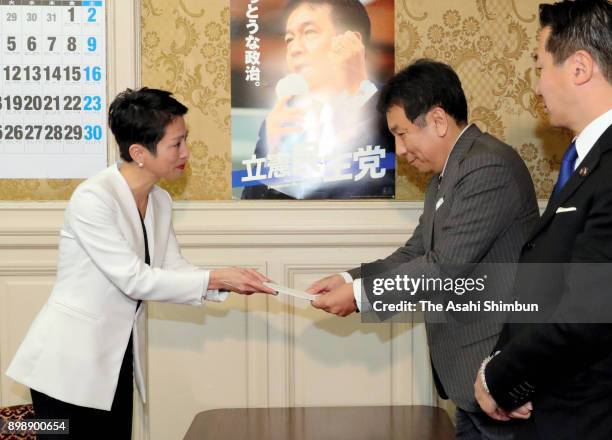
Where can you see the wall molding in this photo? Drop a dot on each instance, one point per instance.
(28, 225)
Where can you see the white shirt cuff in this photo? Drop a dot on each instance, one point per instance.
(216, 295)
(362, 306)
(213, 295)
(347, 277)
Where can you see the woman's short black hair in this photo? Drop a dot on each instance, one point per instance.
(140, 117)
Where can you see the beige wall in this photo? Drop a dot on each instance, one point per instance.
(185, 48)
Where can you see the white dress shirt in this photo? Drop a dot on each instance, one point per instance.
(587, 138)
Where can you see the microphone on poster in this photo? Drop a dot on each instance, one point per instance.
(295, 85)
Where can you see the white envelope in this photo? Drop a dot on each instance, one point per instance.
(291, 292)
(561, 209)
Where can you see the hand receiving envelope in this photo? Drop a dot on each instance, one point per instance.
(291, 292)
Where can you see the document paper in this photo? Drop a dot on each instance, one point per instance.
(291, 292)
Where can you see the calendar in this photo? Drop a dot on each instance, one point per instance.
(52, 88)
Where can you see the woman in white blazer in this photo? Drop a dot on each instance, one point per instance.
(117, 248)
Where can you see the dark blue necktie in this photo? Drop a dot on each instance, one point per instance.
(567, 167)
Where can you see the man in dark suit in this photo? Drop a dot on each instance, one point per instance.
(563, 362)
(326, 107)
(479, 207)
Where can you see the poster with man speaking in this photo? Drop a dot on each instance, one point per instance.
(306, 76)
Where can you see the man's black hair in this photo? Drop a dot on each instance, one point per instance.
(580, 25)
(422, 85)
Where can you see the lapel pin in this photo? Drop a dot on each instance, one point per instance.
(583, 171)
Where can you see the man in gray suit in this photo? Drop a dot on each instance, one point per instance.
(479, 207)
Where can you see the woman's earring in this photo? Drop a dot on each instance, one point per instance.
(140, 164)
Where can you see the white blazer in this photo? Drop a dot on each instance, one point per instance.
(74, 348)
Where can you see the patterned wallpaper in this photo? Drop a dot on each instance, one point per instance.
(185, 48)
(490, 43)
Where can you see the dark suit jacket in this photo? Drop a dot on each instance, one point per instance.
(489, 206)
(370, 131)
(564, 367)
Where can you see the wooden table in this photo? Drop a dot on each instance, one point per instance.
(316, 423)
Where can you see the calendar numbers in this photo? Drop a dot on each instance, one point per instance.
(51, 103)
(70, 44)
(49, 132)
(52, 73)
(93, 73)
(52, 88)
(93, 132)
(48, 73)
(92, 103)
(72, 103)
(31, 44)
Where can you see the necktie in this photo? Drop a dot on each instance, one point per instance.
(567, 167)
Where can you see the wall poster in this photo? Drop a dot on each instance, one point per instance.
(306, 76)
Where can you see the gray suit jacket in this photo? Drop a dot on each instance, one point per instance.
(489, 207)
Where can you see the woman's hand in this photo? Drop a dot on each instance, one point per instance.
(239, 280)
